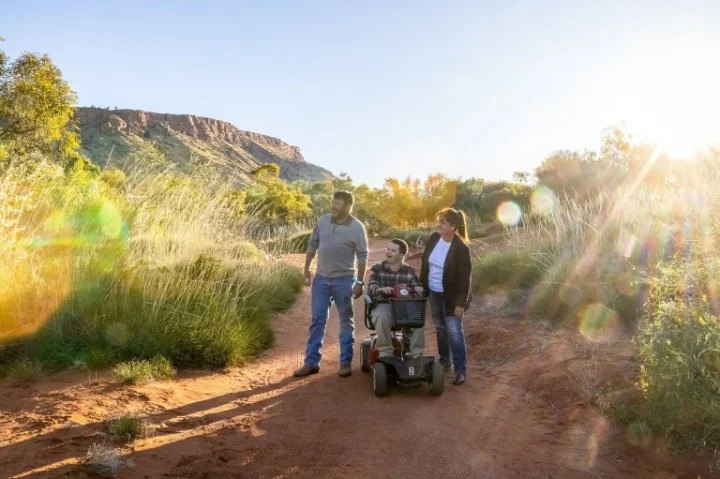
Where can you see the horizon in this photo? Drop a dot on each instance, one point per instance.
(466, 90)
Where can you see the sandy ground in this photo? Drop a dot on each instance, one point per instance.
(524, 412)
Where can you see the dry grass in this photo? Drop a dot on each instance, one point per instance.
(104, 460)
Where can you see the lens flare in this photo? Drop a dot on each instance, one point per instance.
(509, 213)
(598, 322)
(542, 200)
(57, 223)
(111, 221)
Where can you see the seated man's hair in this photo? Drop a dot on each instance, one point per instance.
(346, 196)
(402, 244)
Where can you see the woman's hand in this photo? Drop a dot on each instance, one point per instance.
(459, 311)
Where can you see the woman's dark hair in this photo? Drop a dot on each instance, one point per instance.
(346, 196)
(457, 219)
(401, 244)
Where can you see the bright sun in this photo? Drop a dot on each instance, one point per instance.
(671, 101)
(682, 142)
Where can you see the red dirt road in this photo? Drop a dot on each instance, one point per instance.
(521, 414)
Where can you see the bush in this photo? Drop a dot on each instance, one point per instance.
(25, 371)
(247, 250)
(511, 269)
(129, 426)
(114, 178)
(679, 355)
(104, 461)
(138, 371)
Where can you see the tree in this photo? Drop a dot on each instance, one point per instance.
(36, 106)
(268, 169)
(521, 176)
(616, 149)
(272, 198)
(410, 203)
(343, 182)
(572, 172)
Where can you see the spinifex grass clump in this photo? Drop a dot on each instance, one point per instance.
(143, 370)
(25, 370)
(158, 264)
(129, 426)
(104, 460)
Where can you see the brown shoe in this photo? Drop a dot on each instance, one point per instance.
(307, 371)
(344, 371)
(459, 379)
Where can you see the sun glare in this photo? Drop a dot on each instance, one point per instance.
(682, 141)
(667, 98)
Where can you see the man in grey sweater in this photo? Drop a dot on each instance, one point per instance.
(339, 239)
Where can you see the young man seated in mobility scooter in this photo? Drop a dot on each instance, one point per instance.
(395, 309)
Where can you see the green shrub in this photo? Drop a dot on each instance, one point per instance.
(679, 355)
(139, 371)
(25, 370)
(248, 251)
(511, 269)
(114, 178)
(129, 427)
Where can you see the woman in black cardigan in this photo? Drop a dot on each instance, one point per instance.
(445, 274)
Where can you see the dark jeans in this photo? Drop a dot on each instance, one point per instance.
(450, 334)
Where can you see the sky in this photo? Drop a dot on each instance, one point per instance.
(382, 89)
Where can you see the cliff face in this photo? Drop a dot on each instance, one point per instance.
(113, 135)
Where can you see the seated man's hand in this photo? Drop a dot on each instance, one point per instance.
(388, 291)
(419, 289)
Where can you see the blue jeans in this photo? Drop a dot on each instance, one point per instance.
(450, 334)
(325, 292)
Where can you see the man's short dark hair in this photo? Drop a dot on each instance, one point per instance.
(401, 244)
(346, 196)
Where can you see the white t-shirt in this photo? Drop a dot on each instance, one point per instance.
(437, 264)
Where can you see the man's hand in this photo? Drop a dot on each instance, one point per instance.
(419, 289)
(388, 291)
(357, 290)
(308, 278)
(459, 312)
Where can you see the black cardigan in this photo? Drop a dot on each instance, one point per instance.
(456, 273)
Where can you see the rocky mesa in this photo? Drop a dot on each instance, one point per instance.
(111, 137)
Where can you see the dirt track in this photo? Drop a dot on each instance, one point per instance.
(519, 415)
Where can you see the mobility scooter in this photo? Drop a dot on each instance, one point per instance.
(408, 312)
